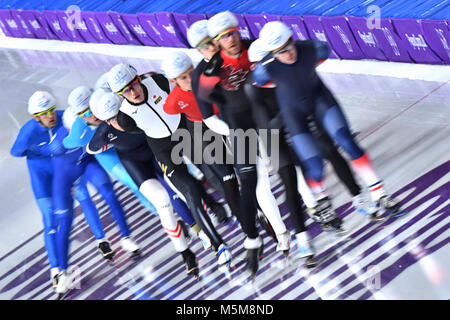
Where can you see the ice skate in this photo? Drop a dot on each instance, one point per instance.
(253, 247)
(305, 249)
(64, 282)
(223, 257)
(324, 215)
(284, 242)
(130, 246)
(54, 277)
(191, 262)
(364, 207)
(105, 249)
(204, 239)
(391, 205)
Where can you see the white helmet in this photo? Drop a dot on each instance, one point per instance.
(221, 22)
(95, 97)
(107, 106)
(120, 75)
(68, 118)
(197, 32)
(274, 34)
(175, 64)
(255, 52)
(102, 82)
(40, 101)
(78, 99)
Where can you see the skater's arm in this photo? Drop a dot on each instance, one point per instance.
(217, 125)
(79, 135)
(322, 51)
(127, 123)
(99, 142)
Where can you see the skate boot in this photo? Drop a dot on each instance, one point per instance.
(191, 262)
(223, 256)
(305, 249)
(54, 277)
(64, 283)
(364, 207)
(324, 215)
(130, 246)
(204, 239)
(284, 242)
(105, 249)
(389, 204)
(254, 248)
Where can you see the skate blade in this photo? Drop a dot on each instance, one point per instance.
(135, 255)
(311, 262)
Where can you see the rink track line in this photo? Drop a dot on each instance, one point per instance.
(403, 111)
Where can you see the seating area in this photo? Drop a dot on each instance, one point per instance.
(414, 31)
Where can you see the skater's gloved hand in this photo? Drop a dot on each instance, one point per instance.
(48, 149)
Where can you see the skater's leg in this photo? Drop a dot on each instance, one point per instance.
(90, 211)
(266, 199)
(100, 179)
(120, 174)
(158, 195)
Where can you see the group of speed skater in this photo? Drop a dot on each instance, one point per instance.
(125, 126)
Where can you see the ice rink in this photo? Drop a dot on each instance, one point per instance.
(404, 125)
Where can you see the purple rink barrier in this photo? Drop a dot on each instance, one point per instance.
(271, 17)
(55, 26)
(244, 30)
(94, 26)
(182, 23)
(31, 19)
(366, 38)
(438, 37)
(298, 27)
(413, 38)
(316, 31)
(255, 22)
(158, 34)
(341, 38)
(169, 29)
(195, 17)
(110, 29)
(24, 28)
(84, 31)
(132, 21)
(120, 24)
(40, 17)
(9, 24)
(69, 26)
(390, 43)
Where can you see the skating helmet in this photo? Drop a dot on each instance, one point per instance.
(120, 75)
(197, 32)
(175, 64)
(78, 99)
(40, 101)
(95, 97)
(107, 106)
(274, 34)
(68, 118)
(255, 52)
(102, 82)
(221, 22)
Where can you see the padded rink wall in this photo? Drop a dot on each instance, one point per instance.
(413, 31)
